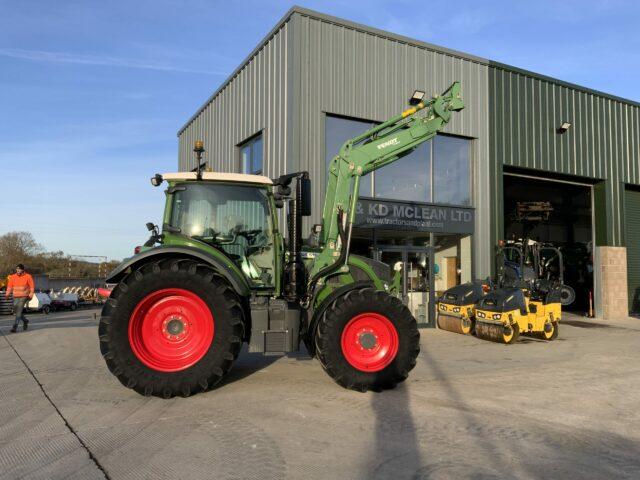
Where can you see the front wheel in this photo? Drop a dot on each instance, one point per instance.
(46, 309)
(367, 340)
(172, 327)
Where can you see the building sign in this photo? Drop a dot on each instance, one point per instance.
(422, 217)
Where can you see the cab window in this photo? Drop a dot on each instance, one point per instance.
(232, 218)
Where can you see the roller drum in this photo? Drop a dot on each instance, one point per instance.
(454, 324)
(496, 332)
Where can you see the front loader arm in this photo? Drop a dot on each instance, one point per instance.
(377, 147)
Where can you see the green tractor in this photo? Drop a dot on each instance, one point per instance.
(220, 274)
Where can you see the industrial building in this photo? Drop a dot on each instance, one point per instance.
(315, 81)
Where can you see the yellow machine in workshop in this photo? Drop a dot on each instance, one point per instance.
(528, 300)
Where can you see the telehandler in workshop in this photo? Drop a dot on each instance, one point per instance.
(220, 274)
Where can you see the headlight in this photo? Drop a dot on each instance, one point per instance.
(443, 307)
(456, 309)
(496, 316)
(481, 314)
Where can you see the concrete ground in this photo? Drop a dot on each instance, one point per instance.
(470, 409)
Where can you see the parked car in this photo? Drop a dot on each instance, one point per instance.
(40, 302)
(64, 301)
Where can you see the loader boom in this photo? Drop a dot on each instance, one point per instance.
(374, 149)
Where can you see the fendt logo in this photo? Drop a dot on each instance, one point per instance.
(388, 143)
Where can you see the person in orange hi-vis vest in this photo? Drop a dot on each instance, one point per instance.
(22, 287)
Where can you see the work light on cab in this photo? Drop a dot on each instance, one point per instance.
(156, 180)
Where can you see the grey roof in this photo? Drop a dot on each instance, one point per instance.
(391, 36)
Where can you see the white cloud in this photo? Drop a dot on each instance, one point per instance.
(99, 60)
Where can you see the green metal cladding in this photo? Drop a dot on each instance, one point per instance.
(602, 145)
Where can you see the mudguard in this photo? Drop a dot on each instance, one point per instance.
(238, 283)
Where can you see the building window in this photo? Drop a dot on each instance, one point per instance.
(407, 179)
(438, 171)
(452, 170)
(251, 156)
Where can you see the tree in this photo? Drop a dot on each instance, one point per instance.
(17, 247)
(21, 247)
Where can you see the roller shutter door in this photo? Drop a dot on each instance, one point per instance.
(632, 237)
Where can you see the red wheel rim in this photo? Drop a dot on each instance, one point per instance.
(370, 342)
(171, 329)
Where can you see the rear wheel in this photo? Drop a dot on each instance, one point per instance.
(552, 334)
(567, 295)
(173, 327)
(367, 340)
(46, 309)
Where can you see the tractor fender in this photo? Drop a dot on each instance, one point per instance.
(237, 282)
(317, 313)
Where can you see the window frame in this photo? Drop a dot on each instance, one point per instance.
(249, 142)
(470, 172)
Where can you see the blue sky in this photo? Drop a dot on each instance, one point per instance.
(92, 93)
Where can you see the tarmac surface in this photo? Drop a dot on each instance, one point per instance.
(470, 409)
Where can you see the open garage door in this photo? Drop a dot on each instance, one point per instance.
(569, 227)
(632, 240)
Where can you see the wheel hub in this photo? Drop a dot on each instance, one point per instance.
(173, 326)
(368, 340)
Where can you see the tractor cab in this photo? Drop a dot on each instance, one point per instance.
(226, 213)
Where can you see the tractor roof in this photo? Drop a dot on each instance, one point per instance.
(219, 176)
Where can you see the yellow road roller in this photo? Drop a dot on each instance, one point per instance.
(502, 315)
(456, 307)
(529, 299)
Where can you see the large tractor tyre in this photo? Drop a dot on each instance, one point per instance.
(172, 327)
(367, 340)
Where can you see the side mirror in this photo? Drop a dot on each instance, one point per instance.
(150, 226)
(305, 188)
